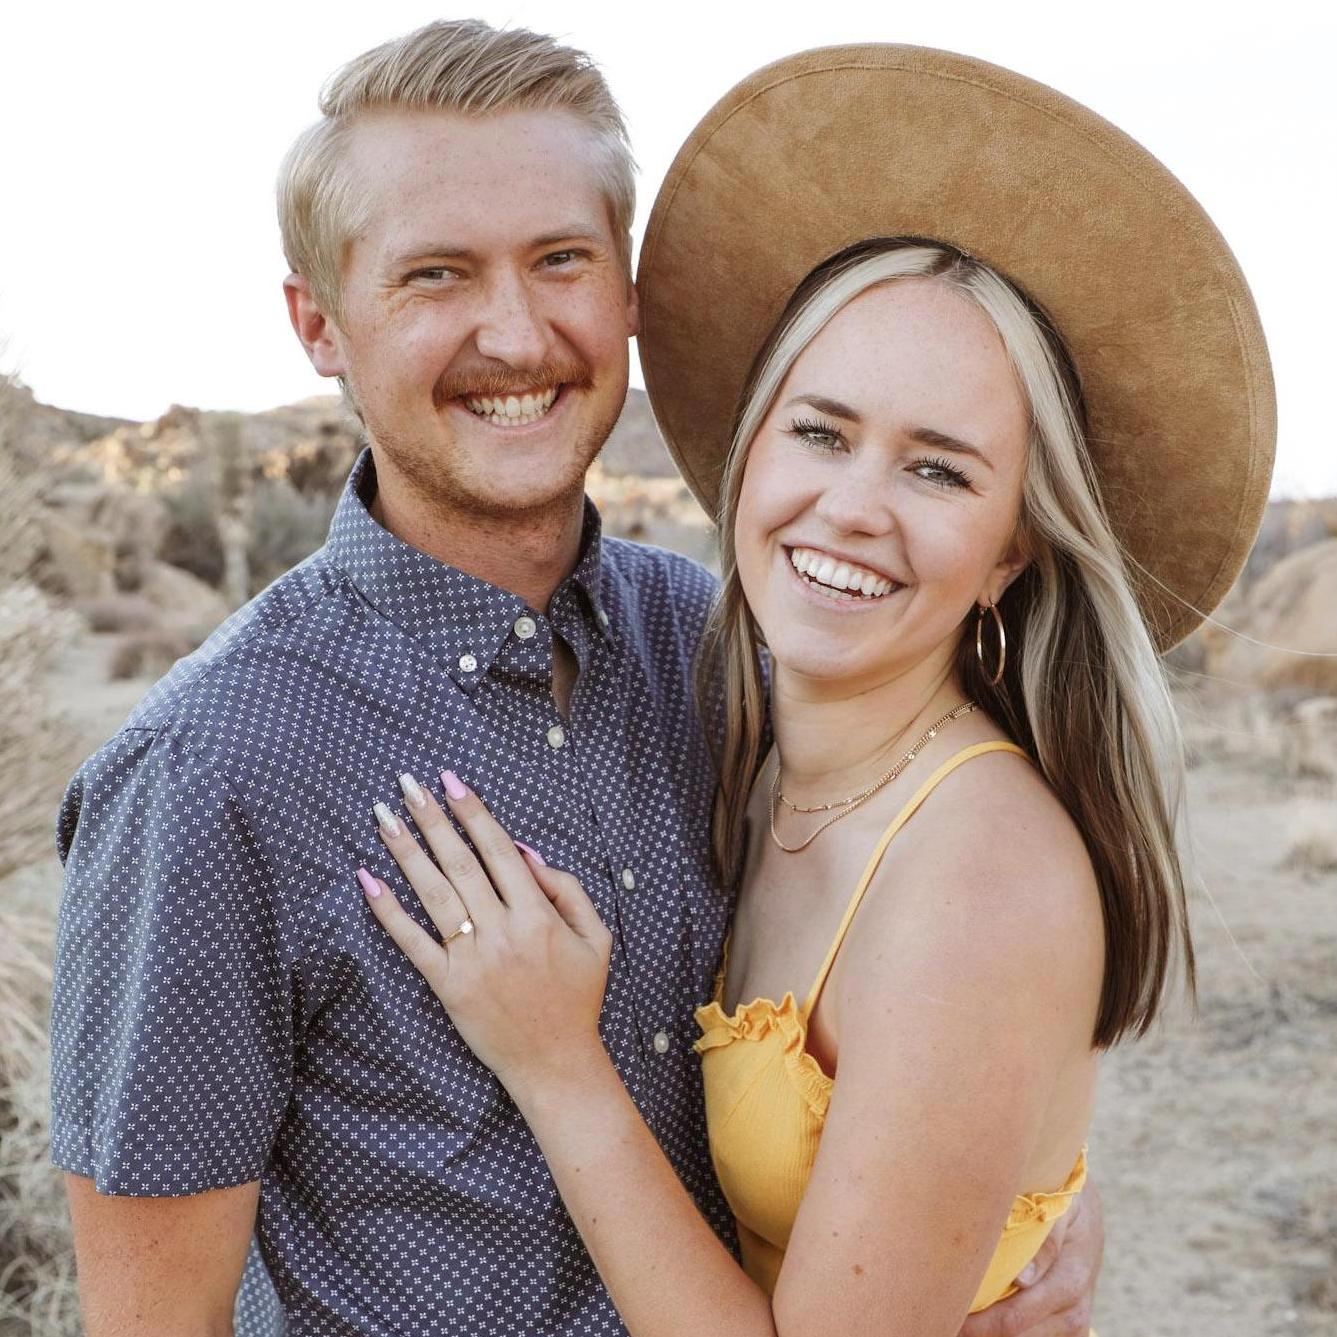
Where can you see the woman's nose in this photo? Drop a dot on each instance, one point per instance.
(857, 501)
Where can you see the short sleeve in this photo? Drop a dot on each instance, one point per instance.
(172, 1004)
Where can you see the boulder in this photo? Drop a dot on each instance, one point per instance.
(70, 560)
(1292, 611)
(1311, 739)
(184, 604)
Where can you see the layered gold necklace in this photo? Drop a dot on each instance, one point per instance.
(855, 801)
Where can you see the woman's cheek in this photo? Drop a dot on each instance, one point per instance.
(954, 562)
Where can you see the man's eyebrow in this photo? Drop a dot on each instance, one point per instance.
(445, 250)
(928, 436)
(578, 232)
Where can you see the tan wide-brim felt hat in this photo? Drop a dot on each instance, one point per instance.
(830, 147)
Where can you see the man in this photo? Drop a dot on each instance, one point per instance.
(236, 1042)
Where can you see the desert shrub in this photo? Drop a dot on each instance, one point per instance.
(148, 654)
(191, 539)
(37, 753)
(37, 747)
(38, 1293)
(119, 613)
(318, 464)
(1313, 839)
(18, 496)
(284, 526)
(287, 526)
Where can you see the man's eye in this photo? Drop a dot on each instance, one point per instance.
(433, 274)
(559, 258)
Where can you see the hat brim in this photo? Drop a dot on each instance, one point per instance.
(830, 147)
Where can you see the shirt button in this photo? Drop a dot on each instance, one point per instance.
(556, 737)
(629, 879)
(526, 627)
(603, 619)
(661, 1042)
(468, 663)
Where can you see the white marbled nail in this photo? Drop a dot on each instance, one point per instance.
(389, 822)
(412, 791)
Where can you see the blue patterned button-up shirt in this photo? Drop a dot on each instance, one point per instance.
(225, 1006)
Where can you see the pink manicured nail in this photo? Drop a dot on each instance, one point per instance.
(454, 786)
(532, 852)
(369, 884)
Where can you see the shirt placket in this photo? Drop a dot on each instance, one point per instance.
(564, 752)
(625, 827)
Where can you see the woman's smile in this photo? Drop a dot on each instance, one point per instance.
(833, 584)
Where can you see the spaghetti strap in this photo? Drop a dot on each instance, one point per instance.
(924, 790)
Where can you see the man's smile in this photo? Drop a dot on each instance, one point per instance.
(512, 410)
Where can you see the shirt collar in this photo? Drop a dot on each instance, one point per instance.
(467, 622)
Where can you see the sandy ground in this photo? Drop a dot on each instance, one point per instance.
(1215, 1145)
(1215, 1142)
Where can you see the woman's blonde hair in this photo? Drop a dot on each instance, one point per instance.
(464, 66)
(1083, 691)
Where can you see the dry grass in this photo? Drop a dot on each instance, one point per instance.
(35, 743)
(38, 750)
(1313, 839)
(38, 1294)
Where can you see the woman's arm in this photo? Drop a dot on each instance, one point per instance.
(663, 1265)
(928, 1134)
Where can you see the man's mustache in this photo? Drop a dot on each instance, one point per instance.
(497, 380)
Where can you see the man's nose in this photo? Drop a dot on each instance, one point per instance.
(510, 327)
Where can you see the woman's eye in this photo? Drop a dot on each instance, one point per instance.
(940, 473)
(816, 435)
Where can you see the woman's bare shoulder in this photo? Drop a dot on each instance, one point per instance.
(990, 879)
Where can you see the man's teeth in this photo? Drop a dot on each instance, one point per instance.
(839, 580)
(513, 410)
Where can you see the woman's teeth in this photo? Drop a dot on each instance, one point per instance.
(513, 410)
(837, 579)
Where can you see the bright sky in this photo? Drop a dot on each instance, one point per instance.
(139, 256)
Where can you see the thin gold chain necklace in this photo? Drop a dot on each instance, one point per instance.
(858, 800)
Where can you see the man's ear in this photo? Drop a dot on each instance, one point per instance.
(318, 334)
(633, 309)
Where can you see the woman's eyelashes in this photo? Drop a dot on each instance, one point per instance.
(947, 475)
(826, 439)
(820, 436)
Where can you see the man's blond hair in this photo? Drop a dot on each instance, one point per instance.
(463, 66)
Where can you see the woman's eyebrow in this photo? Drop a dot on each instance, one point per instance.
(824, 405)
(928, 436)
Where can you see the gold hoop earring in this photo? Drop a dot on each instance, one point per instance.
(1002, 643)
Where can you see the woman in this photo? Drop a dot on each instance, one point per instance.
(959, 852)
